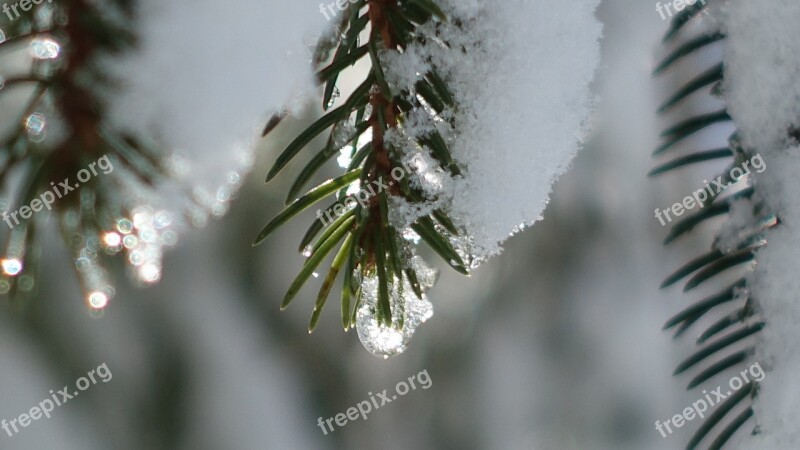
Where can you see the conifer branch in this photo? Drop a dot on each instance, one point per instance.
(63, 129)
(720, 343)
(372, 246)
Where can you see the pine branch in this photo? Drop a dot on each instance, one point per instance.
(61, 134)
(370, 245)
(721, 348)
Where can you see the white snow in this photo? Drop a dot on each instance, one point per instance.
(516, 135)
(762, 68)
(522, 89)
(207, 77)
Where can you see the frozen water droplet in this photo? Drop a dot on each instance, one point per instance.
(26, 283)
(35, 125)
(148, 235)
(224, 194)
(142, 217)
(89, 253)
(124, 226)
(97, 300)
(110, 291)
(11, 266)
(149, 273)
(315, 274)
(162, 219)
(219, 210)
(45, 48)
(307, 251)
(335, 96)
(169, 238)
(83, 263)
(426, 275)
(130, 241)
(136, 258)
(408, 312)
(342, 134)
